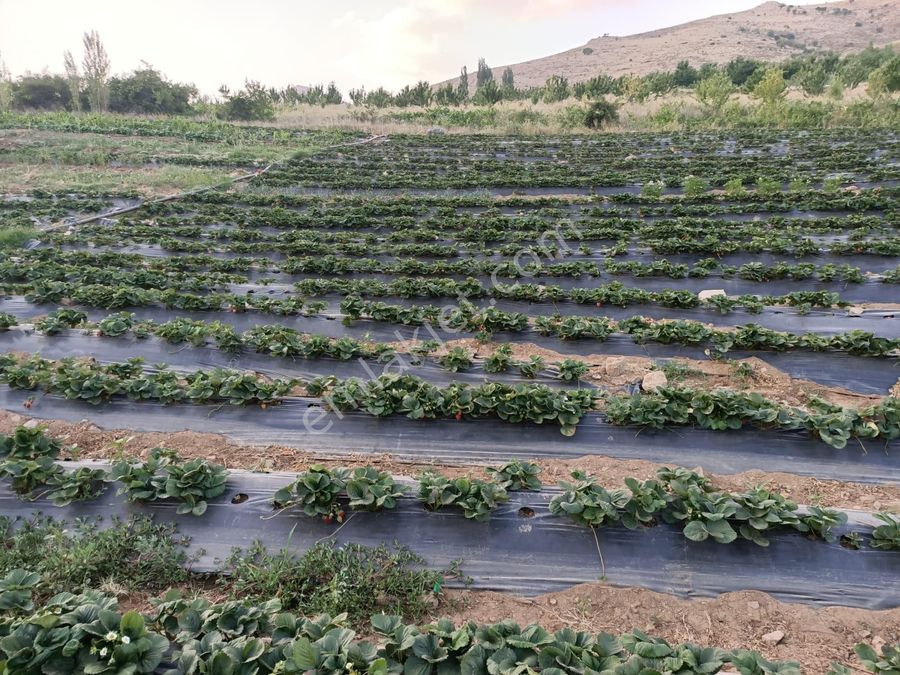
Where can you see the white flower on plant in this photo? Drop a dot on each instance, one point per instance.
(111, 635)
(125, 639)
(104, 652)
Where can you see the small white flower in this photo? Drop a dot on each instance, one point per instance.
(112, 635)
(125, 639)
(103, 652)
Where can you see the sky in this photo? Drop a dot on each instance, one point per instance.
(351, 42)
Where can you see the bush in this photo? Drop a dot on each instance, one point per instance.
(41, 92)
(250, 104)
(146, 91)
(600, 113)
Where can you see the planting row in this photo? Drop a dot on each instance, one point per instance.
(406, 394)
(88, 633)
(678, 496)
(283, 341)
(451, 162)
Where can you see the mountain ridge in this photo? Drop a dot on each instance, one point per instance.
(772, 31)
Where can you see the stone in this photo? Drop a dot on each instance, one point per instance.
(753, 604)
(654, 380)
(877, 643)
(774, 637)
(436, 131)
(708, 293)
(617, 366)
(31, 424)
(855, 311)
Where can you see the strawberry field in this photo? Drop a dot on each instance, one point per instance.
(443, 342)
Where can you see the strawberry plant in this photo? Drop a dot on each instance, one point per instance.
(192, 483)
(887, 535)
(7, 321)
(531, 367)
(26, 475)
(499, 360)
(165, 476)
(456, 360)
(316, 492)
(516, 475)
(117, 324)
(60, 320)
(87, 639)
(15, 593)
(29, 443)
(80, 485)
(588, 503)
(143, 482)
(476, 498)
(371, 490)
(570, 370)
(887, 662)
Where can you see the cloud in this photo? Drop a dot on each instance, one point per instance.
(402, 44)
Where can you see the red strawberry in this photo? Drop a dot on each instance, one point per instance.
(458, 415)
(327, 519)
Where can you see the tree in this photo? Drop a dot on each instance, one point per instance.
(146, 91)
(462, 90)
(599, 85)
(685, 75)
(771, 87)
(707, 70)
(714, 91)
(41, 92)
(876, 85)
(508, 80)
(836, 88)
(556, 88)
(379, 98)
(96, 72)
(6, 86)
(634, 89)
(740, 69)
(73, 77)
(855, 68)
(812, 79)
(484, 74)
(357, 96)
(891, 73)
(446, 95)
(333, 95)
(488, 94)
(251, 103)
(420, 94)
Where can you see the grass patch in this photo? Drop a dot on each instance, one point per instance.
(326, 579)
(167, 179)
(12, 238)
(137, 554)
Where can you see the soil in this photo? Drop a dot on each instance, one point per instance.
(95, 443)
(618, 373)
(815, 637)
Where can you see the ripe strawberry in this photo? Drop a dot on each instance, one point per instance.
(327, 519)
(458, 415)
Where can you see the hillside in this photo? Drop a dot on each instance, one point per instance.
(772, 32)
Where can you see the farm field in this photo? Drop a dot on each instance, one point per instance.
(646, 385)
